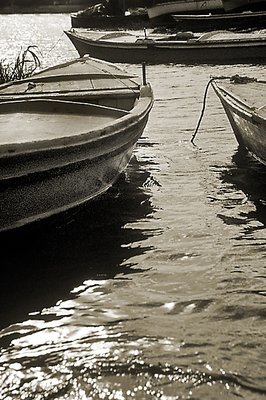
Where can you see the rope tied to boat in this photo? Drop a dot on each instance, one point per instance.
(236, 79)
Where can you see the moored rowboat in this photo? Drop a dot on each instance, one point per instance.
(245, 107)
(56, 154)
(210, 48)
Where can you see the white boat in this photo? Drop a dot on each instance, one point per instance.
(56, 154)
(244, 102)
(159, 8)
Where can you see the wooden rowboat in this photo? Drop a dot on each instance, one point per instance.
(209, 48)
(56, 154)
(245, 107)
(84, 79)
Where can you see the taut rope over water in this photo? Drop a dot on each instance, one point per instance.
(234, 79)
(202, 111)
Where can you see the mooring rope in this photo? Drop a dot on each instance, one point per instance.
(56, 43)
(99, 68)
(204, 106)
(234, 79)
(202, 111)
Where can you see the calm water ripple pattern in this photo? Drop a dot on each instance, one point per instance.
(157, 289)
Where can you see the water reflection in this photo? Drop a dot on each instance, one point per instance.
(43, 262)
(249, 176)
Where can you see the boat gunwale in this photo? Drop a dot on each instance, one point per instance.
(66, 77)
(220, 16)
(235, 102)
(238, 105)
(108, 130)
(91, 93)
(170, 43)
(6, 179)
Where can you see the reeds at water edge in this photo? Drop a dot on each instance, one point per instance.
(24, 65)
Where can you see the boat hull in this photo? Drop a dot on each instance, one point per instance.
(37, 182)
(243, 5)
(248, 126)
(27, 199)
(210, 22)
(149, 51)
(160, 8)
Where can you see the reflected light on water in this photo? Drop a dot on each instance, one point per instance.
(155, 290)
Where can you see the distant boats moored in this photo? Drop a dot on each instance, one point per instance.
(223, 14)
(244, 102)
(56, 154)
(211, 48)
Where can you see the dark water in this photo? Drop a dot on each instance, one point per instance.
(156, 290)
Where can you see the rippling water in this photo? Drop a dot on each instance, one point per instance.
(157, 289)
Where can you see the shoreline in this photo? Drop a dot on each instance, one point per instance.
(58, 9)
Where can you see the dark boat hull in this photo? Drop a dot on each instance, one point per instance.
(236, 21)
(244, 5)
(131, 22)
(152, 52)
(40, 195)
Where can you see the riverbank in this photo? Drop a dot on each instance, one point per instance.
(57, 7)
(53, 9)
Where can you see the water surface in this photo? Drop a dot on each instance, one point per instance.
(157, 289)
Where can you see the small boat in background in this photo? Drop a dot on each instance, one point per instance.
(56, 154)
(210, 22)
(112, 14)
(132, 21)
(159, 7)
(244, 102)
(244, 5)
(185, 48)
